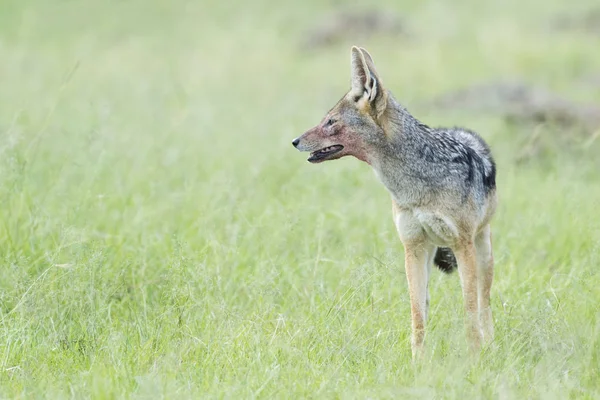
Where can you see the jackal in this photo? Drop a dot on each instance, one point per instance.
(443, 187)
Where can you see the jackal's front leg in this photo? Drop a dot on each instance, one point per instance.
(416, 258)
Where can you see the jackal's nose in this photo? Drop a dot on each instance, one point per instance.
(296, 142)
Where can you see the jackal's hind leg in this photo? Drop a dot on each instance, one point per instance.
(485, 274)
(467, 270)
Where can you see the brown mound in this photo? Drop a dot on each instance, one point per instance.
(588, 22)
(353, 26)
(519, 102)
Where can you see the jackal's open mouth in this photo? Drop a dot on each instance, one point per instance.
(323, 154)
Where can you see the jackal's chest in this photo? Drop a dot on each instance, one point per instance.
(418, 224)
(405, 192)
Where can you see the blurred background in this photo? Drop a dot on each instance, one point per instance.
(160, 235)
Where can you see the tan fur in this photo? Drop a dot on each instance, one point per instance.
(475, 267)
(485, 264)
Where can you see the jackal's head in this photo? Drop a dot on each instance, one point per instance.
(353, 126)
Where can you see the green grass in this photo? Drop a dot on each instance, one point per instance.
(161, 238)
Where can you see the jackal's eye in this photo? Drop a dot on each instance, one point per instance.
(330, 122)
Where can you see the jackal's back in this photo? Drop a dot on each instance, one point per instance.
(442, 161)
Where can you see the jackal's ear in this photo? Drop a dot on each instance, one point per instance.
(365, 80)
(370, 64)
(361, 77)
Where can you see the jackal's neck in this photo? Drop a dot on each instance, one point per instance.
(403, 132)
(402, 123)
(394, 161)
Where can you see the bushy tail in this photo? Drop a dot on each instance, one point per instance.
(445, 260)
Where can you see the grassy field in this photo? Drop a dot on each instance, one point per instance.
(161, 238)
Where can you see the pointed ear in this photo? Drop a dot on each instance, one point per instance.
(365, 80)
(360, 72)
(370, 64)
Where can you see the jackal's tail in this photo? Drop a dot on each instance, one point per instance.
(445, 260)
